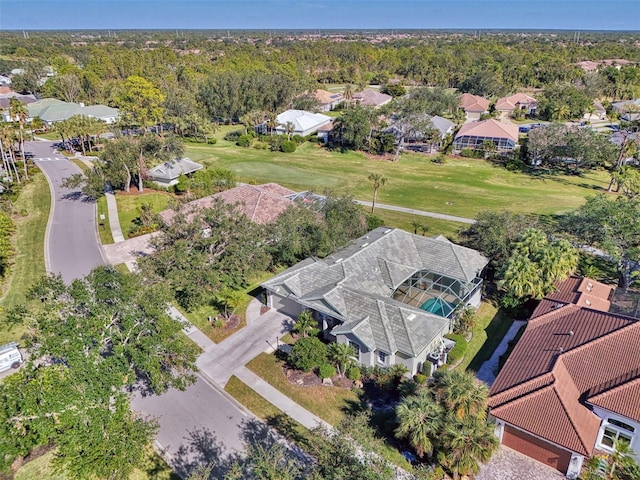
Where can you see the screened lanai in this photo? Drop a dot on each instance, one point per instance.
(435, 293)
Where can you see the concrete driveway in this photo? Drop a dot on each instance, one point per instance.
(129, 250)
(72, 248)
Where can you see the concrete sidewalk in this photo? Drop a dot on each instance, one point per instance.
(487, 372)
(114, 220)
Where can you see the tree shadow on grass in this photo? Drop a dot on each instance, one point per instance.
(495, 331)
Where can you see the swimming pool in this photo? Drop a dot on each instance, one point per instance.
(437, 306)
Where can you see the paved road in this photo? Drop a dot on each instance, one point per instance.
(71, 247)
(197, 426)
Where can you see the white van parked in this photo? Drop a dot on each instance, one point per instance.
(10, 356)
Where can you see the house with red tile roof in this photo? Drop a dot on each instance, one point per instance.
(571, 386)
(473, 106)
(519, 101)
(504, 135)
(260, 203)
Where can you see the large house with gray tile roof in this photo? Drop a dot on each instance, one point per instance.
(391, 295)
(571, 387)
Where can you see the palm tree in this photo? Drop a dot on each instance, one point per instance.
(416, 224)
(465, 444)
(6, 150)
(378, 181)
(530, 242)
(341, 354)
(621, 458)
(424, 229)
(521, 277)
(419, 421)
(289, 128)
(305, 323)
(347, 94)
(18, 112)
(460, 393)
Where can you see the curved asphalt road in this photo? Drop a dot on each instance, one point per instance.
(72, 248)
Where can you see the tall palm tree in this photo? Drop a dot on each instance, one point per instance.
(347, 94)
(621, 458)
(419, 421)
(521, 277)
(530, 242)
(19, 113)
(378, 181)
(6, 150)
(465, 444)
(341, 354)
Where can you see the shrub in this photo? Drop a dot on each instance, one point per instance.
(326, 371)
(307, 353)
(420, 378)
(212, 140)
(233, 135)
(439, 159)
(288, 146)
(261, 146)
(353, 373)
(218, 323)
(374, 221)
(459, 350)
(182, 186)
(298, 139)
(244, 141)
(514, 164)
(471, 153)
(394, 89)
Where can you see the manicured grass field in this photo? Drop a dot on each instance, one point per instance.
(103, 225)
(129, 207)
(461, 187)
(35, 201)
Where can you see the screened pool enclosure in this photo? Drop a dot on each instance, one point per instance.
(435, 293)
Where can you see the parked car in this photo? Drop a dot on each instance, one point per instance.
(10, 356)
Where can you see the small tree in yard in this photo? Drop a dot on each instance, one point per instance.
(305, 324)
(378, 181)
(231, 300)
(341, 354)
(308, 353)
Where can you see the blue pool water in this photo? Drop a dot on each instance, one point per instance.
(437, 306)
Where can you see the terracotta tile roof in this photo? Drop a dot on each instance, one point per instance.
(616, 399)
(473, 103)
(516, 100)
(489, 128)
(260, 203)
(583, 292)
(568, 354)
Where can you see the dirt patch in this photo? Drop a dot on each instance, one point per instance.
(302, 379)
(232, 322)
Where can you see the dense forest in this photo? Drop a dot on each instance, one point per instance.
(228, 75)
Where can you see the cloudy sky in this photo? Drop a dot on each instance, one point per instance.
(319, 14)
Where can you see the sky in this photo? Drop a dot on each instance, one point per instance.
(320, 14)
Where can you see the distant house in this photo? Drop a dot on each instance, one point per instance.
(166, 174)
(6, 94)
(260, 203)
(51, 110)
(390, 295)
(325, 131)
(592, 66)
(371, 98)
(303, 123)
(629, 110)
(327, 101)
(471, 135)
(473, 106)
(414, 139)
(571, 386)
(520, 101)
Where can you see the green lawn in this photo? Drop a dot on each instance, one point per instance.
(435, 226)
(104, 230)
(34, 201)
(488, 331)
(129, 207)
(461, 187)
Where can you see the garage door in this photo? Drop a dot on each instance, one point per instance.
(537, 449)
(285, 305)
